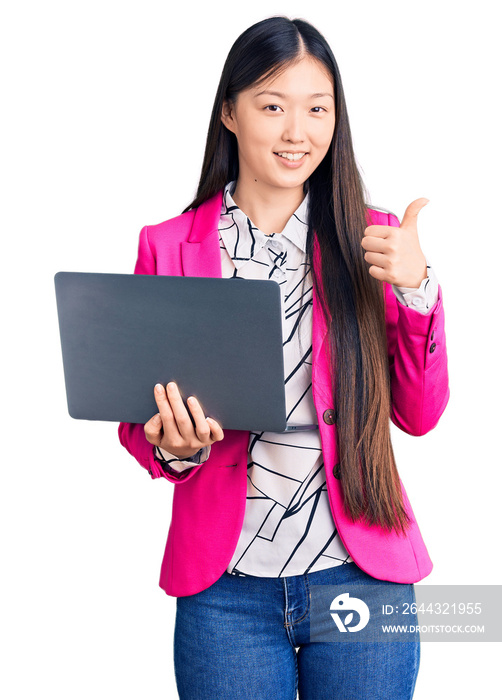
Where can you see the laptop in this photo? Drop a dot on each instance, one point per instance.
(219, 339)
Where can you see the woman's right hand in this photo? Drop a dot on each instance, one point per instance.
(172, 428)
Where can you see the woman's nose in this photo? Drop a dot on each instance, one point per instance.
(294, 128)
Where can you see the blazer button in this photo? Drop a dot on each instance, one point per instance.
(432, 335)
(432, 347)
(336, 471)
(329, 416)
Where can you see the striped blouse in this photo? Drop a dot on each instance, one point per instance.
(288, 526)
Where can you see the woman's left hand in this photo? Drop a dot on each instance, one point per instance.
(394, 253)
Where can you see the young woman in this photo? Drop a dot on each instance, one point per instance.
(260, 518)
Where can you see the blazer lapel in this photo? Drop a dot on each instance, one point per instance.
(200, 254)
(321, 372)
(201, 258)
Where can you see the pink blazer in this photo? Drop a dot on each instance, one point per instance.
(208, 504)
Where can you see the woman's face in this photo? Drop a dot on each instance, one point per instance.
(293, 113)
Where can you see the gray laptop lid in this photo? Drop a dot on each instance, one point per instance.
(219, 339)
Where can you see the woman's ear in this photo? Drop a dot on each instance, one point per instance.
(227, 115)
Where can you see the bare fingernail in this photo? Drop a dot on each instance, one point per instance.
(171, 385)
(159, 387)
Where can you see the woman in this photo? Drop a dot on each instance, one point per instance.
(259, 519)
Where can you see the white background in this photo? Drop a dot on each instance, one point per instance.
(105, 108)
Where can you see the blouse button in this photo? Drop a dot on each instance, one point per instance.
(329, 416)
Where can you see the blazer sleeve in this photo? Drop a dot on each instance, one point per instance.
(132, 435)
(417, 362)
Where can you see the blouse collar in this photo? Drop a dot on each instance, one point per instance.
(238, 231)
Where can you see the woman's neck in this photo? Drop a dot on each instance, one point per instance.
(269, 208)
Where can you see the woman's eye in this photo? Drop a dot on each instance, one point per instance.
(273, 108)
(319, 108)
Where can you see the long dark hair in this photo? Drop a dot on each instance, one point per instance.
(354, 305)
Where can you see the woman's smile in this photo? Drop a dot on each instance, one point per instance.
(291, 160)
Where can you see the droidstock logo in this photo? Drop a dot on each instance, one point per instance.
(345, 604)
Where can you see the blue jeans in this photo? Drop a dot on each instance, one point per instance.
(248, 638)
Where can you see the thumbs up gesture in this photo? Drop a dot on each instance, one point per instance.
(394, 253)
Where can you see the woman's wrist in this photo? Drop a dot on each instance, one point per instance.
(197, 458)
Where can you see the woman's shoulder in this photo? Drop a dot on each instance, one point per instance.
(381, 217)
(176, 226)
(179, 227)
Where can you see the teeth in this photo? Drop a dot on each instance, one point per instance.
(291, 156)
